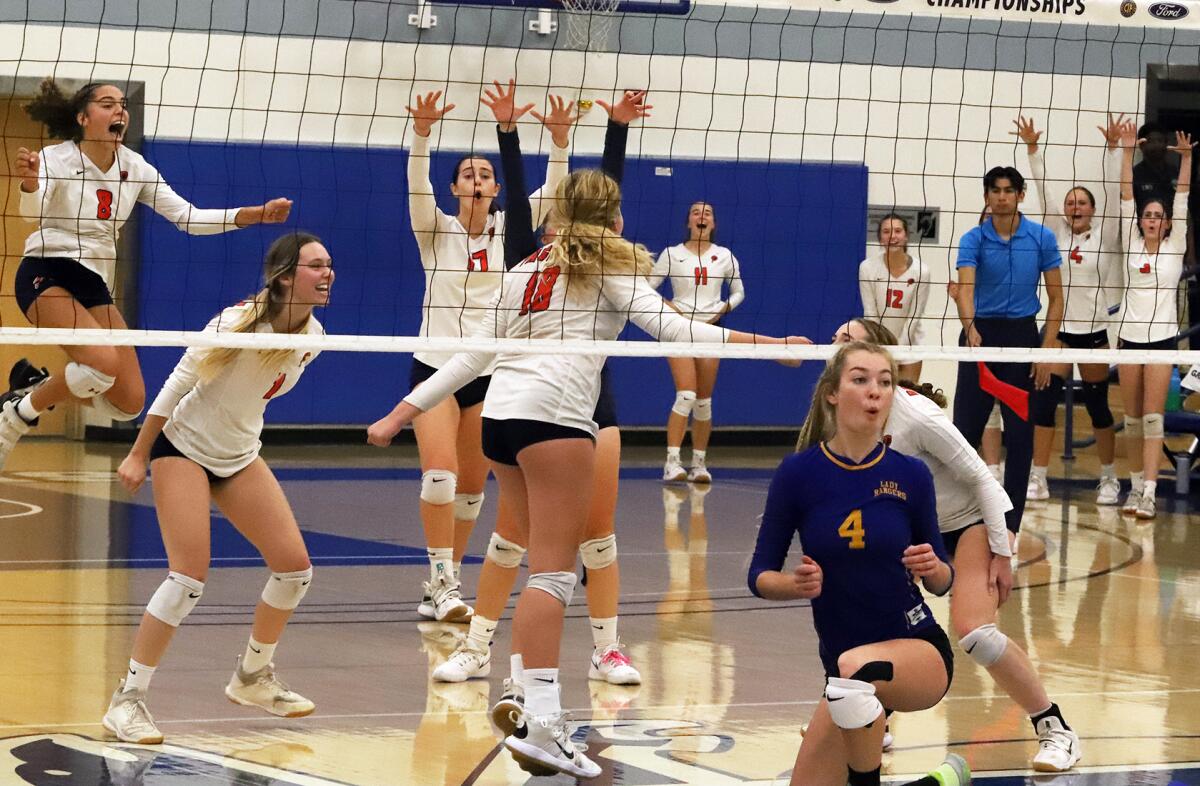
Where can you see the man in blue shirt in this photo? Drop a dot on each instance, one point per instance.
(999, 265)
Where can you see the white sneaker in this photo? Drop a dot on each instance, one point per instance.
(613, 666)
(699, 473)
(1108, 492)
(1058, 747)
(953, 771)
(129, 719)
(1145, 506)
(506, 713)
(673, 471)
(264, 690)
(542, 746)
(12, 427)
(1037, 490)
(445, 602)
(466, 663)
(1132, 499)
(888, 739)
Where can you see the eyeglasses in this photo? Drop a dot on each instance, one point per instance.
(111, 103)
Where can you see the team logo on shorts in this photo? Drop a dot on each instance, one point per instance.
(1128, 8)
(915, 615)
(37, 282)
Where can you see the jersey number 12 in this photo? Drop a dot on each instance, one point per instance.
(852, 529)
(895, 298)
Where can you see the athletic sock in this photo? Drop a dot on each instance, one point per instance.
(457, 569)
(516, 668)
(672, 454)
(863, 778)
(441, 561)
(26, 410)
(480, 632)
(541, 692)
(604, 631)
(1052, 710)
(1149, 487)
(1108, 471)
(1136, 480)
(698, 457)
(139, 676)
(1038, 472)
(257, 655)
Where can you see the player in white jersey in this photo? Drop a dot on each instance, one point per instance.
(201, 439)
(81, 192)
(971, 505)
(538, 430)
(699, 271)
(894, 286)
(1091, 265)
(1155, 242)
(463, 257)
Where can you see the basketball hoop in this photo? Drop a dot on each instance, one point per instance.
(589, 22)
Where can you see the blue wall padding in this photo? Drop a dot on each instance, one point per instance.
(797, 229)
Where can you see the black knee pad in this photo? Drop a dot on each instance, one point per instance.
(1095, 398)
(1044, 404)
(875, 671)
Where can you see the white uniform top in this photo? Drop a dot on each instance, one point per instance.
(1149, 311)
(965, 489)
(80, 210)
(461, 272)
(697, 280)
(896, 303)
(1091, 262)
(532, 303)
(217, 422)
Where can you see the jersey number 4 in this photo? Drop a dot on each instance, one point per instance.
(538, 290)
(852, 529)
(895, 298)
(103, 203)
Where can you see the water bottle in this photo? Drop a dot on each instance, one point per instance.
(1174, 392)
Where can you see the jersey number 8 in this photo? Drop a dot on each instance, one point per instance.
(103, 203)
(852, 529)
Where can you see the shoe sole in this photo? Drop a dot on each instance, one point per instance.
(1144, 516)
(458, 614)
(502, 715)
(1043, 767)
(701, 481)
(680, 478)
(292, 714)
(483, 673)
(594, 674)
(143, 741)
(531, 762)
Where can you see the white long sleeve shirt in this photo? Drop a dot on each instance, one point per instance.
(896, 302)
(1149, 311)
(461, 272)
(218, 422)
(1091, 261)
(532, 303)
(80, 210)
(698, 280)
(966, 491)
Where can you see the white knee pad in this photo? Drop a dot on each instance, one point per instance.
(109, 410)
(1133, 427)
(599, 553)
(985, 644)
(852, 703)
(467, 506)
(1152, 425)
(175, 598)
(703, 409)
(438, 486)
(995, 420)
(559, 585)
(504, 553)
(85, 381)
(684, 401)
(285, 590)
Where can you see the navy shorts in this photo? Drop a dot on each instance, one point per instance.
(469, 395)
(504, 439)
(606, 406)
(1166, 343)
(932, 634)
(1084, 340)
(950, 539)
(165, 448)
(37, 274)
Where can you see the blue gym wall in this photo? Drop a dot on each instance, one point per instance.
(797, 230)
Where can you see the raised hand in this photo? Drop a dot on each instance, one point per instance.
(276, 211)
(632, 106)
(558, 120)
(1028, 134)
(1112, 132)
(426, 112)
(503, 105)
(1129, 138)
(1183, 144)
(28, 165)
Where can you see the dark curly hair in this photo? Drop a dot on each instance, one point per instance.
(59, 113)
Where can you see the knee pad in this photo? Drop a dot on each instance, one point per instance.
(109, 410)
(995, 419)
(684, 401)
(559, 585)
(504, 553)
(438, 486)
(703, 409)
(599, 553)
(1152, 425)
(1095, 398)
(175, 598)
(85, 381)
(467, 506)
(285, 590)
(985, 644)
(1045, 403)
(1133, 427)
(852, 703)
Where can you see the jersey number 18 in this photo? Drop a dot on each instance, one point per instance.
(538, 290)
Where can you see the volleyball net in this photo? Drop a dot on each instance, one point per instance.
(801, 124)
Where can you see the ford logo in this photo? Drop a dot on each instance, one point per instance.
(1168, 11)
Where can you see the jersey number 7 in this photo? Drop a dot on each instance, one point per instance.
(538, 290)
(852, 529)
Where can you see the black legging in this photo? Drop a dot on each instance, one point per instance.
(972, 406)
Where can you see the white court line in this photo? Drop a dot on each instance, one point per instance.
(33, 510)
(581, 712)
